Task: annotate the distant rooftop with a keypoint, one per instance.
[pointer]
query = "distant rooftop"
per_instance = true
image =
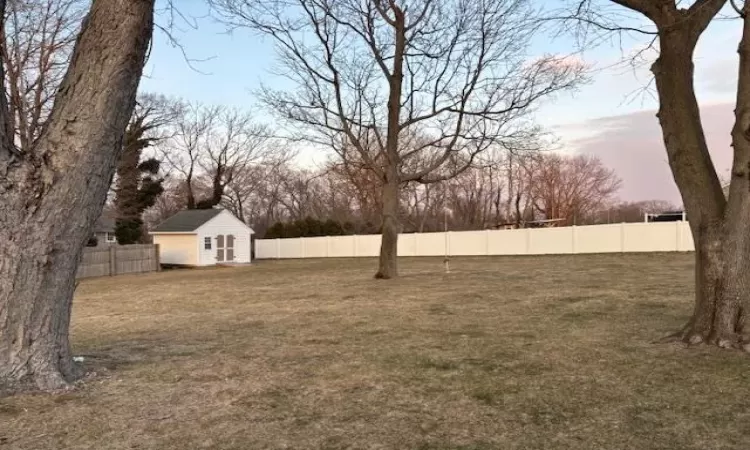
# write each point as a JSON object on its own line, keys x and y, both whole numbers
{"x": 105, "y": 223}
{"x": 186, "y": 221}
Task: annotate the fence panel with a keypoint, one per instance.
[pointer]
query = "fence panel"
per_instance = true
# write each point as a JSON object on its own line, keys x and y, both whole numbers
{"x": 430, "y": 244}
{"x": 615, "y": 238}
{"x": 316, "y": 247}
{"x": 94, "y": 263}
{"x": 118, "y": 259}
{"x": 407, "y": 244}
{"x": 598, "y": 238}
{"x": 467, "y": 243}
{"x": 508, "y": 242}
{"x": 650, "y": 237}
{"x": 368, "y": 245}
{"x": 266, "y": 248}
{"x": 341, "y": 246}
{"x": 551, "y": 241}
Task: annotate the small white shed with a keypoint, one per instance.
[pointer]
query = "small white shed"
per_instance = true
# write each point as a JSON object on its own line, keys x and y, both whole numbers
{"x": 203, "y": 237}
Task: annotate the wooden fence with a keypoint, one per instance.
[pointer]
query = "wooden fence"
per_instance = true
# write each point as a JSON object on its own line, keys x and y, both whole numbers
{"x": 118, "y": 259}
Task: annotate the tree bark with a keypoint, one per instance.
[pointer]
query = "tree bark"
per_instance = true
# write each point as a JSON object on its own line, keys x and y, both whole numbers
{"x": 51, "y": 196}
{"x": 730, "y": 329}
{"x": 388, "y": 266}
{"x": 720, "y": 229}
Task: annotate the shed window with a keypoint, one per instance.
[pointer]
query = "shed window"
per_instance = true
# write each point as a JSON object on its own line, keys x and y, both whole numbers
{"x": 207, "y": 243}
{"x": 110, "y": 237}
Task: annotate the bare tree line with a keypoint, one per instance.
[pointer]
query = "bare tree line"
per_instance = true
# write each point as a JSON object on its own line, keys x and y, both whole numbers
{"x": 514, "y": 191}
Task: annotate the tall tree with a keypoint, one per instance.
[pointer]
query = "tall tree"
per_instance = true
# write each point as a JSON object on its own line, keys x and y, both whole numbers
{"x": 720, "y": 226}
{"x": 405, "y": 81}
{"x": 137, "y": 181}
{"x": 233, "y": 143}
{"x": 52, "y": 192}
{"x": 215, "y": 143}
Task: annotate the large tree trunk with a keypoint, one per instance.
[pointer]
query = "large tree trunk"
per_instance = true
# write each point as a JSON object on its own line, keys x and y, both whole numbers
{"x": 51, "y": 196}
{"x": 731, "y": 311}
{"x": 721, "y": 230}
{"x": 388, "y": 267}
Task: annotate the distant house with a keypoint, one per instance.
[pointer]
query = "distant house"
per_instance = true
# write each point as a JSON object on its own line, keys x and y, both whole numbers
{"x": 203, "y": 237}
{"x": 104, "y": 230}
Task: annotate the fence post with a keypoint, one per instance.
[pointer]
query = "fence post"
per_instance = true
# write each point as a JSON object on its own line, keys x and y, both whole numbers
{"x": 354, "y": 246}
{"x": 622, "y": 237}
{"x": 678, "y": 235}
{"x": 487, "y": 241}
{"x": 328, "y": 246}
{"x": 278, "y": 248}
{"x": 157, "y": 257}
{"x": 573, "y": 238}
{"x": 448, "y": 243}
{"x": 302, "y": 246}
{"x": 112, "y": 260}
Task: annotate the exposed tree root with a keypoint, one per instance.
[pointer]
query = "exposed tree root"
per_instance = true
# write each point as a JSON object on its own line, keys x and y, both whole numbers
{"x": 42, "y": 379}
{"x": 691, "y": 338}
{"x": 684, "y": 335}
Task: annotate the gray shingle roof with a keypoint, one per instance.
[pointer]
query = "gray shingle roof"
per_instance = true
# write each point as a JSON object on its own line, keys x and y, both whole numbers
{"x": 186, "y": 221}
{"x": 105, "y": 223}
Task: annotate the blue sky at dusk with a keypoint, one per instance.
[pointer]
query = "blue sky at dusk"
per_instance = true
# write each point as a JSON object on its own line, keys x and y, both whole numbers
{"x": 606, "y": 117}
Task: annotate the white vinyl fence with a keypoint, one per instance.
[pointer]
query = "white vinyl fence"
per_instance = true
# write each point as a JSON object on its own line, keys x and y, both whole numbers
{"x": 615, "y": 238}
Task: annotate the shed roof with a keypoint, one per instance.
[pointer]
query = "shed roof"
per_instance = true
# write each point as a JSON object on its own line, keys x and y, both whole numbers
{"x": 187, "y": 221}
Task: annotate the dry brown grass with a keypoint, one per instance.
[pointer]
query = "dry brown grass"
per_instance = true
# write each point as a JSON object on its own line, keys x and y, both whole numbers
{"x": 503, "y": 353}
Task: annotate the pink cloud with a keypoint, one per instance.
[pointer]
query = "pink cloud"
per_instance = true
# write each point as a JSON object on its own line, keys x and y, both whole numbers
{"x": 632, "y": 145}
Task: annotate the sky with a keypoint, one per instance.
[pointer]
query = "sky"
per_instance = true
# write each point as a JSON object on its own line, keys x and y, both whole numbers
{"x": 612, "y": 116}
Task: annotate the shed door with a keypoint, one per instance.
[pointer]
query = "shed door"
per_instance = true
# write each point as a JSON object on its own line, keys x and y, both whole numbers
{"x": 230, "y": 247}
{"x": 220, "y": 248}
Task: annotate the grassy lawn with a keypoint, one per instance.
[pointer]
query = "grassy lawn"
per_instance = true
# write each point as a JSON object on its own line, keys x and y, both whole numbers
{"x": 502, "y": 353}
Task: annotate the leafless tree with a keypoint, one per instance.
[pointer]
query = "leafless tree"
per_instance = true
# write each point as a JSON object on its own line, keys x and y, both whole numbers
{"x": 53, "y": 190}
{"x": 515, "y": 190}
{"x": 399, "y": 81}
{"x": 254, "y": 185}
{"x": 221, "y": 154}
{"x": 634, "y": 211}
{"x": 37, "y": 45}
{"x": 233, "y": 142}
{"x": 185, "y": 149}
{"x": 720, "y": 225}
{"x": 572, "y": 188}
{"x": 169, "y": 203}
